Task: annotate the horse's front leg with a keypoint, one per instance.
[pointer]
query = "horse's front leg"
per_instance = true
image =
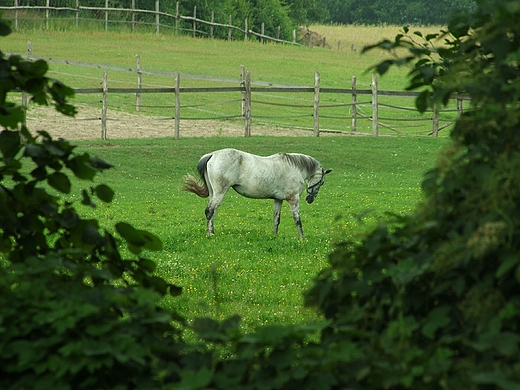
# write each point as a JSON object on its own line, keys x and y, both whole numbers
{"x": 277, "y": 210}
{"x": 295, "y": 209}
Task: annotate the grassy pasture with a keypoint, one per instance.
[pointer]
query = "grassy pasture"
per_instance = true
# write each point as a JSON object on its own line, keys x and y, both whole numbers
{"x": 268, "y": 63}
{"x": 244, "y": 268}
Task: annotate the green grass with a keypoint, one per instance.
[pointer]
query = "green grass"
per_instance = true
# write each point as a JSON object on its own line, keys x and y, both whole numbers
{"x": 269, "y": 63}
{"x": 258, "y": 275}
{"x": 244, "y": 268}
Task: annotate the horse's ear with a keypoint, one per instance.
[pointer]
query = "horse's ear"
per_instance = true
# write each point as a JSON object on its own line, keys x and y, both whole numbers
{"x": 328, "y": 171}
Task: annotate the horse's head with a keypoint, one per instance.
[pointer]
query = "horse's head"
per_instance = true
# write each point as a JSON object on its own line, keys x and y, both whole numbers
{"x": 314, "y": 183}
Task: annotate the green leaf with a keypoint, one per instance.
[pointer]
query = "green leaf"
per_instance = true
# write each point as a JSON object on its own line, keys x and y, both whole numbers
{"x": 174, "y": 290}
{"x": 495, "y": 378}
{"x": 148, "y": 265}
{"x": 207, "y": 328}
{"x": 10, "y": 144}
{"x": 517, "y": 274}
{"x": 383, "y": 67}
{"x": 85, "y": 199}
{"x": 152, "y": 242}
{"x": 91, "y": 236}
{"x": 35, "y": 151}
{"x": 81, "y": 167}
{"x": 12, "y": 116}
{"x": 99, "y": 164}
{"x": 138, "y": 238}
{"x": 437, "y": 318}
{"x": 39, "y": 67}
{"x": 422, "y": 101}
{"x": 60, "y": 182}
{"x": 194, "y": 379}
{"x": 130, "y": 234}
{"x": 104, "y": 192}
{"x": 231, "y": 323}
{"x": 5, "y": 29}
{"x": 506, "y": 265}
{"x": 157, "y": 283}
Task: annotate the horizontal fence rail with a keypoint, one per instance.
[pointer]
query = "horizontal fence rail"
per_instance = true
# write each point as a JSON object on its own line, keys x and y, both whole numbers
{"x": 172, "y": 21}
{"x": 251, "y": 95}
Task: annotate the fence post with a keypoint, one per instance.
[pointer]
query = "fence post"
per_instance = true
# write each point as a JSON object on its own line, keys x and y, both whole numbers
{"x": 278, "y": 32}
{"x": 77, "y": 13}
{"x": 435, "y": 119}
{"x": 132, "y": 23}
{"x": 104, "y": 107}
{"x": 375, "y": 130}
{"x": 353, "y": 129}
{"x": 316, "y": 104}
{"x": 139, "y": 82}
{"x": 106, "y": 15}
{"x": 247, "y": 104}
{"x": 16, "y": 15}
{"x": 460, "y": 109}
{"x": 245, "y": 29}
{"x": 176, "y": 18}
{"x": 211, "y": 25}
{"x": 157, "y": 17}
{"x": 24, "y": 94}
{"x": 262, "y": 29}
{"x": 47, "y": 5}
{"x": 194, "y": 20}
{"x": 229, "y": 29}
{"x": 294, "y": 36}
{"x": 177, "y": 105}
{"x": 243, "y": 94}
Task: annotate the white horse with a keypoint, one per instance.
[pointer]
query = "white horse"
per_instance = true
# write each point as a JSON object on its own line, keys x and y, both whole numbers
{"x": 280, "y": 177}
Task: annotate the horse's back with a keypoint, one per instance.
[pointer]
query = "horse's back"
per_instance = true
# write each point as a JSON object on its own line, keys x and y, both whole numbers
{"x": 254, "y": 176}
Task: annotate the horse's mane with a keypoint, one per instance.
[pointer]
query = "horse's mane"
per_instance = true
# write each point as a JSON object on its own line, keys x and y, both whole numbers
{"x": 302, "y": 161}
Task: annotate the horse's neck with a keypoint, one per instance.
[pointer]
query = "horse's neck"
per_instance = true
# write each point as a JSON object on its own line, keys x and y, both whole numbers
{"x": 306, "y": 165}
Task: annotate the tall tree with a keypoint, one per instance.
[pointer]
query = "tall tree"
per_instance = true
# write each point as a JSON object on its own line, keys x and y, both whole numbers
{"x": 393, "y": 12}
{"x": 303, "y": 12}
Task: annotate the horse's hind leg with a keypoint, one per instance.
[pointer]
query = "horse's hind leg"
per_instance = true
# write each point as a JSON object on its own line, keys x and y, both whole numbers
{"x": 211, "y": 209}
{"x": 295, "y": 209}
{"x": 277, "y": 210}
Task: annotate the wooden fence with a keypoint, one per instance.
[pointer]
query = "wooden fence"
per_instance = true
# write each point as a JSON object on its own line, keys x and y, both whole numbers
{"x": 172, "y": 21}
{"x": 245, "y": 88}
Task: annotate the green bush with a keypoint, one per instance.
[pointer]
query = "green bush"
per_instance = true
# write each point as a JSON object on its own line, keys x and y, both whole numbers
{"x": 433, "y": 300}
{"x": 74, "y": 313}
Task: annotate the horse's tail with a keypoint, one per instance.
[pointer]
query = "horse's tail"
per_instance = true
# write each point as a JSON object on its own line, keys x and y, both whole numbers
{"x": 198, "y": 187}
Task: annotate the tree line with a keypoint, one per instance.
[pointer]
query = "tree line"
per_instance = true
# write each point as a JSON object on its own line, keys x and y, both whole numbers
{"x": 289, "y": 14}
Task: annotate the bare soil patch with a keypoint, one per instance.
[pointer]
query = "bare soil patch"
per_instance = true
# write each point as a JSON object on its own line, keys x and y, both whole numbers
{"x": 87, "y": 126}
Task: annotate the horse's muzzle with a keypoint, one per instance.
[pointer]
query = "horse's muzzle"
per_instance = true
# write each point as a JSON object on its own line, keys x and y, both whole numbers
{"x": 310, "y": 198}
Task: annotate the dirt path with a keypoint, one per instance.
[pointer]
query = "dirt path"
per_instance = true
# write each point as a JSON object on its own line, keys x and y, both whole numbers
{"x": 87, "y": 125}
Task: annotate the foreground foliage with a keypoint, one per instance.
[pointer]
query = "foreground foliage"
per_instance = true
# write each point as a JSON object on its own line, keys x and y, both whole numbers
{"x": 74, "y": 313}
{"x": 434, "y": 302}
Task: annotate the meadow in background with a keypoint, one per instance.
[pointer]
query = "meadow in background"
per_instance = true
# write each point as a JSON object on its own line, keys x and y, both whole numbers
{"x": 214, "y": 63}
